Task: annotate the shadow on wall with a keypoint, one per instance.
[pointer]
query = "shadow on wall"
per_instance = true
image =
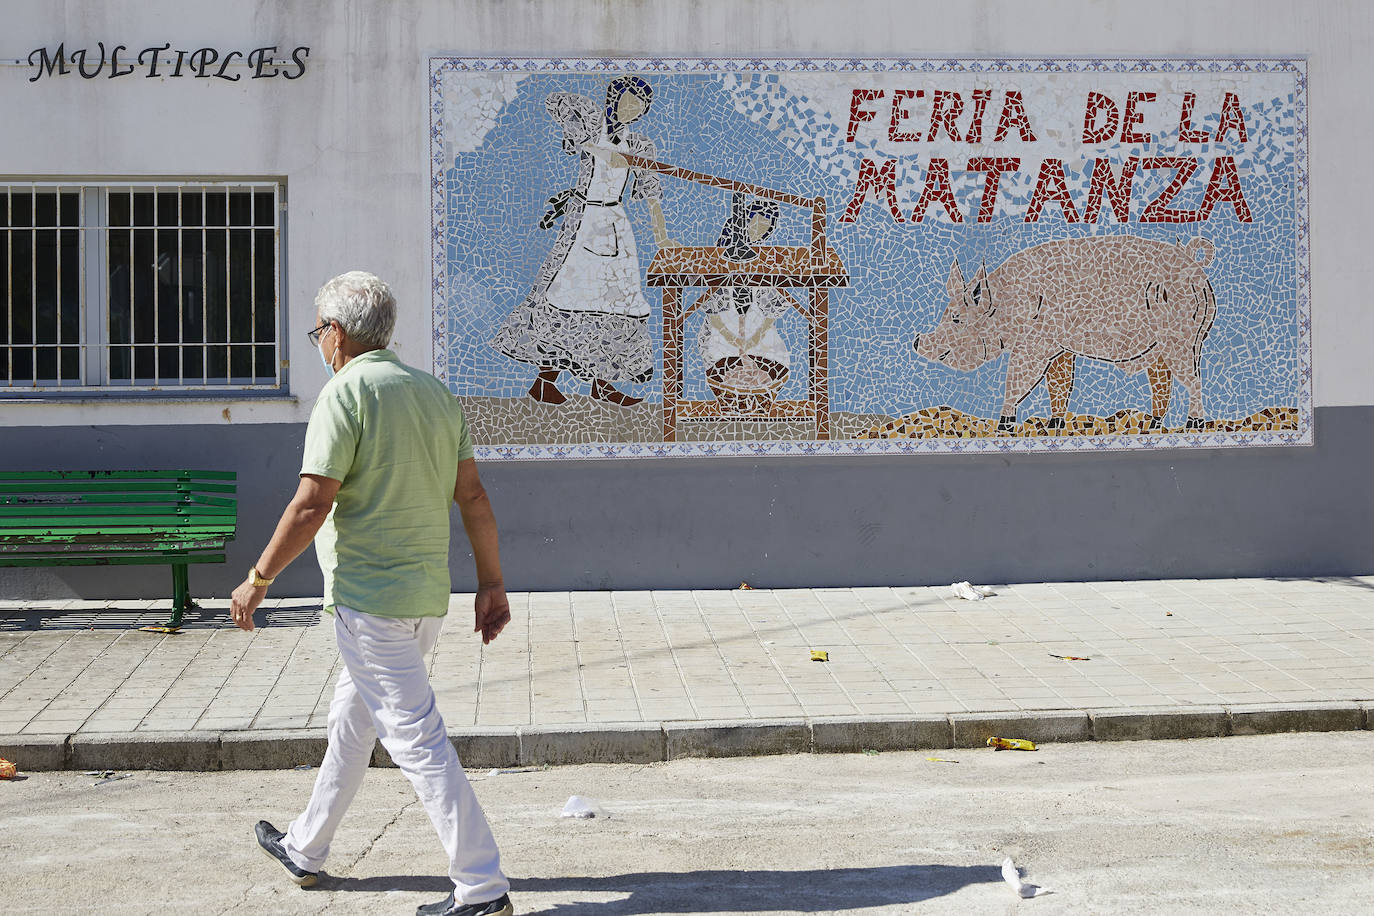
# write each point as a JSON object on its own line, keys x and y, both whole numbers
{"x": 24, "y": 584}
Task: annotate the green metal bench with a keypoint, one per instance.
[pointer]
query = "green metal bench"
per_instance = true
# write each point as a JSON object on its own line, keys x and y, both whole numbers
{"x": 119, "y": 518}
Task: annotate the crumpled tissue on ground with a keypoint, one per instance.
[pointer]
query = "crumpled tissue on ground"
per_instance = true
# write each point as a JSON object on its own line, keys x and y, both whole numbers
{"x": 971, "y": 592}
{"x": 1013, "y": 878}
{"x": 578, "y": 806}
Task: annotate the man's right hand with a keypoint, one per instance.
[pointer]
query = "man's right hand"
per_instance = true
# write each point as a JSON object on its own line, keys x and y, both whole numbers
{"x": 492, "y": 611}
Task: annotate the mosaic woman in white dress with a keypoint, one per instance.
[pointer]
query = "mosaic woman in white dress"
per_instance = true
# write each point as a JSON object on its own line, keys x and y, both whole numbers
{"x": 586, "y": 312}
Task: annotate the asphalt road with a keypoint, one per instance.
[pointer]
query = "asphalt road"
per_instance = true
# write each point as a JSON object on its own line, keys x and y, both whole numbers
{"x": 1273, "y": 824}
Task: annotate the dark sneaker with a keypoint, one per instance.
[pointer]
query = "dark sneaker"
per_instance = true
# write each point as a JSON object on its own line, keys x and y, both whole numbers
{"x": 269, "y": 838}
{"x": 450, "y": 907}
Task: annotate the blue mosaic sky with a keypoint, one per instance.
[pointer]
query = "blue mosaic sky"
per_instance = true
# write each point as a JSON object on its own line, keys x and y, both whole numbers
{"x": 496, "y": 194}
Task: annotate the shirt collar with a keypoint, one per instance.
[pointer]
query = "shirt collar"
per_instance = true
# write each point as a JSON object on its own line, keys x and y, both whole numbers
{"x": 371, "y": 356}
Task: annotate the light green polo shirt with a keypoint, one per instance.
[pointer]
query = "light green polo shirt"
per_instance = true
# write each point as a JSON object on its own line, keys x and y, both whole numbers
{"x": 393, "y": 437}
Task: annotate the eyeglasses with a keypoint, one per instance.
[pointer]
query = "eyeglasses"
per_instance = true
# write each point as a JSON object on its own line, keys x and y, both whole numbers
{"x": 315, "y": 334}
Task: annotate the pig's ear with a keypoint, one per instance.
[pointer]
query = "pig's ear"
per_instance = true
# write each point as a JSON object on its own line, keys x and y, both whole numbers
{"x": 955, "y": 287}
{"x": 978, "y": 290}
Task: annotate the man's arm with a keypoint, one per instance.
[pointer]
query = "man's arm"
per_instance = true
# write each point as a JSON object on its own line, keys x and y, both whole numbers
{"x": 491, "y": 607}
{"x": 297, "y": 528}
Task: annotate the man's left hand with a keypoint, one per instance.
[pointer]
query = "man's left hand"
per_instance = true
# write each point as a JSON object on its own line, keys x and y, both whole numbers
{"x": 244, "y": 602}
{"x": 492, "y": 611}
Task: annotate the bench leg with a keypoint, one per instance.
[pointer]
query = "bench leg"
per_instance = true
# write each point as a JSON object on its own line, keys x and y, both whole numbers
{"x": 181, "y": 600}
{"x": 181, "y": 593}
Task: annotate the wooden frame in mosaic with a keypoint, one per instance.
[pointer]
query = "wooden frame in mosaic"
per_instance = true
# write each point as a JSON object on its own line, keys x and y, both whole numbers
{"x": 698, "y": 257}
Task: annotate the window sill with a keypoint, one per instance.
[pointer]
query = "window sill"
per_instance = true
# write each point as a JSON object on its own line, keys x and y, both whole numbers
{"x": 150, "y": 397}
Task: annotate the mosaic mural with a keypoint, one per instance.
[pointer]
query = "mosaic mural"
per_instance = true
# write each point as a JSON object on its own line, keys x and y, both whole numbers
{"x": 759, "y": 257}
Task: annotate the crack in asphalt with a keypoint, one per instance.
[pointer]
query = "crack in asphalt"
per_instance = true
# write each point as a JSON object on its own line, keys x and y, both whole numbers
{"x": 240, "y": 902}
{"x": 381, "y": 833}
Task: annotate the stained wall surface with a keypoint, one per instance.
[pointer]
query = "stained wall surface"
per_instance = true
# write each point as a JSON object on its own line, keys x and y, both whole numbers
{"x": 352, "y": 141}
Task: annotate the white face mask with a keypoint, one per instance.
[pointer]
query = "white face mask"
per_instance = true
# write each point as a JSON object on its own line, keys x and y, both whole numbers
{"x": 327, "y": 364}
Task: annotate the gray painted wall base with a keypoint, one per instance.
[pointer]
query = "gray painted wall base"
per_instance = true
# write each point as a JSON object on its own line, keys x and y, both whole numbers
{"x": 802, "y": 522}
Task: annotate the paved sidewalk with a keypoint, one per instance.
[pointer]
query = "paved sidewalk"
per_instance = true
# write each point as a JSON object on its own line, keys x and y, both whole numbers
{"x": 587, "y": 676}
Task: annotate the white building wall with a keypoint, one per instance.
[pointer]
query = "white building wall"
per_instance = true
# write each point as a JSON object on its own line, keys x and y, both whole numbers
{"x": 351, "y": 136}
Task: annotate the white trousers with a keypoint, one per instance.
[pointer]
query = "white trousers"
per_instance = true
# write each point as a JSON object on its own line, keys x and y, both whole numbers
{"x": 384, "y": 690}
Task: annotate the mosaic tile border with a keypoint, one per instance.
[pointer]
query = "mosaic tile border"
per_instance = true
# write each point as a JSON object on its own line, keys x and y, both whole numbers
{"x": 1295, "y": 64}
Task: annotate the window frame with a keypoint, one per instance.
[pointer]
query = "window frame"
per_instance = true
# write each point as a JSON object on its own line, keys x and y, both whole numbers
{"x": 95, "y": 343}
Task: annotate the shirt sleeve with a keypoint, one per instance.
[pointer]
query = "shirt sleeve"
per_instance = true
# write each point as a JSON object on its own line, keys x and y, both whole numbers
{"x": 331, "y": 438}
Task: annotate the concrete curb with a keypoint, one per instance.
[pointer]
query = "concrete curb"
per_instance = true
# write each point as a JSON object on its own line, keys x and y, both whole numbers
{"x": 973, "y": 729}
{"x": 650, "y": 742}
{"x": 36, "y": 753}
{"x": 1158, "y": 724}
{"x": 146, "y": 751}
{"x": 611, "y": 743}
{"x": 277, "y": 749}
{"x": 737, "y": 738}
{"x": 845, "y": 735}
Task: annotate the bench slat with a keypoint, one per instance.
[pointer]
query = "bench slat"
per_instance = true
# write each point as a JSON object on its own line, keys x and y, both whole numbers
{"x": 88, "y": 543}
{"x": 165, "y": 517}
{"x": 159, "y": 559}
{"x": 77, "y": 510}
{"x": 136, "y": 486}
{"x": 161, "y": 546}
{"x": 111, "y": 527}
{"x": 89, "y": 499}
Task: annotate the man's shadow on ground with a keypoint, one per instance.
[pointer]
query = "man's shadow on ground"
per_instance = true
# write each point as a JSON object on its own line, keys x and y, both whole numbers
{"x": 819, "y": 890}
{"x": 293, "y": 614}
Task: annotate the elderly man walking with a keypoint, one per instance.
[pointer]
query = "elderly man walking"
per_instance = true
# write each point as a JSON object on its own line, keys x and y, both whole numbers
{"x": 387, "y": 452}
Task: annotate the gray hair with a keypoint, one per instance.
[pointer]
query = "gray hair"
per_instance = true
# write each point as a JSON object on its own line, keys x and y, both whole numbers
{"x": 362, "y": 305}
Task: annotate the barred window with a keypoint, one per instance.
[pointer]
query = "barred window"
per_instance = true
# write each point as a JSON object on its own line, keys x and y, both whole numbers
{"x": 140, "y": 286}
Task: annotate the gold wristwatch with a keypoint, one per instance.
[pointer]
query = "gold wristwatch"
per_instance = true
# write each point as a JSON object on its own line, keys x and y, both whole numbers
{"x": 257, "y": 580}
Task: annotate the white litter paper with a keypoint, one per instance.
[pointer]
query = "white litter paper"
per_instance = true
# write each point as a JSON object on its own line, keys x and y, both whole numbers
{"x": 578, "y": 806}
{"x": 971, "y": 592}
{"x": 1013, "y": 878}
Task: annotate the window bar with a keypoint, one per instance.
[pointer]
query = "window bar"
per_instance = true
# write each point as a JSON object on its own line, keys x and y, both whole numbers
{"x": 276, "y": 286}
{"x": 80, "y": 293}
{"x": 61, "y": 240}
{"x": 33, "y": 285}
{"x": 157, "y": 313}
{"x": 57, "y": 243}
{"x": 181, "y": 325}
{"x": 253, "y": 287}
{"x": 95, "y": 297}
{"x": 204, "y": 297}
{"x": 228, "y": 299}
{"x": 9, "y": 284}
{"x": 133, "y": 346}
{"x": 83, "y": 342}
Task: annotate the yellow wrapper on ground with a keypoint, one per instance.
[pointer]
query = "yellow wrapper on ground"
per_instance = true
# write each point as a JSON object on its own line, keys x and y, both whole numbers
{"x": 1011, "y": 744}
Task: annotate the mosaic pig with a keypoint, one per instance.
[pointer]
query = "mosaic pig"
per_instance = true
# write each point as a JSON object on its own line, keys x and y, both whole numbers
{"x": 1130, "y": 301}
